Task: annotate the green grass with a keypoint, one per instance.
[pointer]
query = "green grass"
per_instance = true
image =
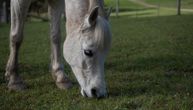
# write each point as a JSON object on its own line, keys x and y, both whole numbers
{"x": 164, "y": 3}
{"x": 136, "y": 9}
{"x": 123, "y": 4}
{"x": 150, "y": 67}
{"x": 171, "y": 3}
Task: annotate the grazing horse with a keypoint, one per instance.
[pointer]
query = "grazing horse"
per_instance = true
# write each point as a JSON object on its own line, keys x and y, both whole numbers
{"x": 85, "y": 48}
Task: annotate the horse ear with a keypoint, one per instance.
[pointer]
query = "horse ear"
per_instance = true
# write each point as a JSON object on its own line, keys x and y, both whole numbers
{"x": 109, "y": 13}
{"x": 93, "y": 16}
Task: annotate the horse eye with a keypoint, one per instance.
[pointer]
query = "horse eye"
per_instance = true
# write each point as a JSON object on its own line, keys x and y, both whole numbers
{"x": 88, "y": 53}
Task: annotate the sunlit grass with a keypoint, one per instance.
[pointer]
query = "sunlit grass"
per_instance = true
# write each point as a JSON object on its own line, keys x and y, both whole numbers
{"x": 171, "y": 3}
{"x": 160, "y": 8}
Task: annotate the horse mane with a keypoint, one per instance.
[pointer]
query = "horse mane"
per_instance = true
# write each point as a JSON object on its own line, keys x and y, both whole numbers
{"x": 102, "y": 34}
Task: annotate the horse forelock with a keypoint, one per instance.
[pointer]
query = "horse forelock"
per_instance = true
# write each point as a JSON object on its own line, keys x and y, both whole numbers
{"x": 102, "y": 34}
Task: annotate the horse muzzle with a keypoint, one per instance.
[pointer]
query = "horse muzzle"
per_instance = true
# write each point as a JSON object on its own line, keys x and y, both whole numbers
{"x": 94, "y": 93}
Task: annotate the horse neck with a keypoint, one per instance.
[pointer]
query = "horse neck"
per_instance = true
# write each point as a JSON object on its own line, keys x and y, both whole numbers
{"x": 75, "y": 13}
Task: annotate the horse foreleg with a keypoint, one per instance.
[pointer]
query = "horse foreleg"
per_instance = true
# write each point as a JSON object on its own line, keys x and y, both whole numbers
{"x": 18, "y": 13}
{"x": 56, "y": 8}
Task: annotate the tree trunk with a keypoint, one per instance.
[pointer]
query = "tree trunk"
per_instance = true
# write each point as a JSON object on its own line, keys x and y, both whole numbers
{"x": 117, "y": 8}
{"x": 3, "y": 13}
{"x": 1, "y": 10}
{"x": 178, "y": 7}
{"x": 7, "y": 11}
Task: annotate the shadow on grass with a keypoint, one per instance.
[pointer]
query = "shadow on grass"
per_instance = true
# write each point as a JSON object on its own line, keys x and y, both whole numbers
{"x": 150, "y": 76}
{"x": 151, "y": 83}
{"x": 28, "y": 71}
{"x": 37, "y": 72}
{"x": 165, "y": 68}
{"x": 178, "y": 64}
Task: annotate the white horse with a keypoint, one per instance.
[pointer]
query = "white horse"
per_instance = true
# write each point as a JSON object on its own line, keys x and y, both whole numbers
{"x": 85, "y": 48}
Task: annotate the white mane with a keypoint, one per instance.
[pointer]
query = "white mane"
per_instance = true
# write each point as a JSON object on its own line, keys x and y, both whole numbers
{"x": 102, "y": 34}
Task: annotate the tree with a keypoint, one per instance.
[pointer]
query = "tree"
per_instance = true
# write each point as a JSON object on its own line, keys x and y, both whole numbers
{"x": 117, "y": 8}
{"x": 5, "y": 10}
{"x": 178, "y": 7}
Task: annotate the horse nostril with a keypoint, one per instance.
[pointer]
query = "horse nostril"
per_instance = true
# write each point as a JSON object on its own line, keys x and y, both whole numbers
{"x": 94, "y": 92}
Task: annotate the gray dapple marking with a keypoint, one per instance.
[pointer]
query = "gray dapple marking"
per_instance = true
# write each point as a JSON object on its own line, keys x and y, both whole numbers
{"x": 85, "y": 48}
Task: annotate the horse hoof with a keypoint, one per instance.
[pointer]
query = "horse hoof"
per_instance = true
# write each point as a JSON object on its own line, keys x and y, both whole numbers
{"x": 17, "y": 86}
{"x": 16, "y": 83}
{"x": 65, "y": 84}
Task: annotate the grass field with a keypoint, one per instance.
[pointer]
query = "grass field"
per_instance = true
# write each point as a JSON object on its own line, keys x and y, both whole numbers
{"x": 145, "y": 8}
{"x": 150, "y": 67}
{"x": 164, "y": 3}
{"x": 171, "y": 3}
{"x": 125, "y": 5}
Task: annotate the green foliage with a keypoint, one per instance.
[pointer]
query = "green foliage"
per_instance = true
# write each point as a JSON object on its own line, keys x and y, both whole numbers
{"x": 149, "y": 67}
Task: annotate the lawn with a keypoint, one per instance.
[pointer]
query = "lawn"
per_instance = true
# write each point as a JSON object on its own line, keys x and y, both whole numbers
{"x": 171, "y": 3}
{"x": 164, "y": 3}
{"x": 150, "y": 67}
{"x": 125, "y": 5}
{"x": 144, "y": 8}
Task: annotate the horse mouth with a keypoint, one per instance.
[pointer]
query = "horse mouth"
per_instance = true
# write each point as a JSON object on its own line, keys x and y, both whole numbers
{"x": 94, "y": 94}
{"x": 83, "y": 93}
